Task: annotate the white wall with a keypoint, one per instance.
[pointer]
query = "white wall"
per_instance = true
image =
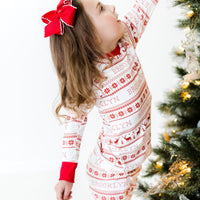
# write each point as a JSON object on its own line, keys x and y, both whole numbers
{"x": 30, "y": 135}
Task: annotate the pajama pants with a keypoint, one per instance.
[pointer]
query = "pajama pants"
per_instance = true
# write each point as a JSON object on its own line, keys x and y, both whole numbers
{"x": 108, "y": 182}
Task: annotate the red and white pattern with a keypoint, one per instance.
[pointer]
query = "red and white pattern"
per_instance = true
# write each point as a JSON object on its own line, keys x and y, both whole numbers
{"x": 124, "y": 104}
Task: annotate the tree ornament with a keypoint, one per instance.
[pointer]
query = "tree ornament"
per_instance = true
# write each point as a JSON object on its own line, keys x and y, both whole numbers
{"x": 191, "y": 77}
{"x": 175, "y": 178}
{"x": 159, "y": 165}
{"x": 191, "y": 64}
{"x": 166, "y": 136}
{"x": 183, "y": 197}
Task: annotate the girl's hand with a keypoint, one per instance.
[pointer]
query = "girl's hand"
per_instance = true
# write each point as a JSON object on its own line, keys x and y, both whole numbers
{"x": 63, "y": 190}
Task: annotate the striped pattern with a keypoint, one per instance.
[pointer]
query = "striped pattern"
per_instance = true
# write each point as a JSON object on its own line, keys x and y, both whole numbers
{"x": 124, "y": 104}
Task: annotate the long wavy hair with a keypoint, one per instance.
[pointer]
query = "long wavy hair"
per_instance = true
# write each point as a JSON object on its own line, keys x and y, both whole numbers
{"x": 74, "y": 56}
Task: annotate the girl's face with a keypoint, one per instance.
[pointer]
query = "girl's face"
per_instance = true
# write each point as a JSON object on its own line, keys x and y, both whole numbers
{"x": 106, "y": 22}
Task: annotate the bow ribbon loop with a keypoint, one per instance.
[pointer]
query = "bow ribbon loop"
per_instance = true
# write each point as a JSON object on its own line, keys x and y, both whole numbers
{"x": 55, "y": 19}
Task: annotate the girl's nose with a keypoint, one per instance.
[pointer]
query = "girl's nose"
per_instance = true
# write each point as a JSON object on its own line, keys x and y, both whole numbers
{"x": 112, "y": 8}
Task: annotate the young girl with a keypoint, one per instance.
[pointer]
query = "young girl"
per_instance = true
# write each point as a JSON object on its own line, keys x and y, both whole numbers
{"x": 95, "y": 58}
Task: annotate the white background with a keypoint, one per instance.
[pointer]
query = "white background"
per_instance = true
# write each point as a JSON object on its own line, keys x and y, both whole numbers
{"x": 30, "y": 135}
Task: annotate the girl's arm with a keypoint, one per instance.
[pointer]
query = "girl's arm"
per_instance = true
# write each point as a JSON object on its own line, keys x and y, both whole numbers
{"x": 138, "y": 17}
{"x": 73, "y": 132}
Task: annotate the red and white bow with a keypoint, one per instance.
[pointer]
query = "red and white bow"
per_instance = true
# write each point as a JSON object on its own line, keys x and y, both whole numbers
{"x": 55, "y": 19}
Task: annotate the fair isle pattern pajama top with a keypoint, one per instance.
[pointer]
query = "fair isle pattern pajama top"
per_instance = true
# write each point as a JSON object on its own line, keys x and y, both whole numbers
{"x": 124, "y": 104}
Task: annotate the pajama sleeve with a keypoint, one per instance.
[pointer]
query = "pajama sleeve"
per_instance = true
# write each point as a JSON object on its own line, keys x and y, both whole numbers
{"x": 138, "y": 17}
{"x": 71, "y": 142}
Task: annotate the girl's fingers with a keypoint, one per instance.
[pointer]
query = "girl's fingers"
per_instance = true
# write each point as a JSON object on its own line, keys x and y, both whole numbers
{"x": 70, "y": 195}
{"x": 59, "y": 195}
{"x": 67, "y": 195}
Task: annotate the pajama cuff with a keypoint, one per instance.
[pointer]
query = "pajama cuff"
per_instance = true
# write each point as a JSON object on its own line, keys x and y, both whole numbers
{"x": 67, "y": 171}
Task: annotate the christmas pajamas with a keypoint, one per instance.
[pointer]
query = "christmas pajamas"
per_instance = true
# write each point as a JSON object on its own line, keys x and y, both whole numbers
{"x": 124, "y": 104}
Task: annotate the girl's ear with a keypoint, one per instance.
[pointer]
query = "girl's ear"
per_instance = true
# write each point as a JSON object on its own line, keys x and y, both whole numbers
{"x": 99, "y": 40}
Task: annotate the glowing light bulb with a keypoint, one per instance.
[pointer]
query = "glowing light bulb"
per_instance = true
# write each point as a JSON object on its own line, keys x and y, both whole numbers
{"x": 188, "y": 169}
{"x": 173, "y": 131}
{"x": 159, "y": 163}
{"x": 190, "y": 13}
{"x": 180, "y": 50}
{"x": 185, "y": 84}
{"x": 197, "y": 82}
{"x": 187, "y": 28}
{"x": 173, "y": 90}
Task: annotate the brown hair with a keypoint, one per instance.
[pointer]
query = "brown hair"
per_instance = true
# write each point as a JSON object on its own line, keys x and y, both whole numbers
{"x": 74, "y": 56}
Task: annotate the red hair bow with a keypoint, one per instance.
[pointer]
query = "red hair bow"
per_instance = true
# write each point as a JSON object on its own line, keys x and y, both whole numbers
{"x": 55, "y": 19}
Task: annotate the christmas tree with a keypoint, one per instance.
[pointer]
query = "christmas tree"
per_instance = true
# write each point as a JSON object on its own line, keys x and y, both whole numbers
{"x": 177, "y": 158}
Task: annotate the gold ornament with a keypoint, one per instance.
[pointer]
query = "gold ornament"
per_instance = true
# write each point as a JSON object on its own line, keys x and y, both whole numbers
{"x": 175, "y": 178}
{"x": 166, "y": 136}
{"x": 159, "y": 165}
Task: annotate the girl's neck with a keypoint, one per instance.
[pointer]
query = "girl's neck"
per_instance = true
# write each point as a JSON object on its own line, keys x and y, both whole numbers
{"x": 114, "y": 52}
{"x": 108, "y": 47}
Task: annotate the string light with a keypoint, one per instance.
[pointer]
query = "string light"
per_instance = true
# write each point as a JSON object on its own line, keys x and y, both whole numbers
{"x": 187, "y": 28}
{"x": 180, "y": 50}
{"x": 197, "y": 82}
{"x": 188, "y": 169}
{"x": 181, "y": 183}
{"x": 190, "y": 13}
{"x": 173, "y": 90}
{"x": 183, "y": 166}
{"x": 173, "y": 131}
{"x": 185, "y": 84}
